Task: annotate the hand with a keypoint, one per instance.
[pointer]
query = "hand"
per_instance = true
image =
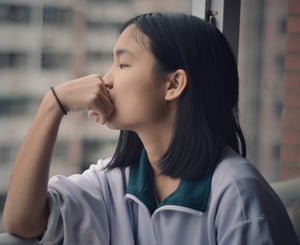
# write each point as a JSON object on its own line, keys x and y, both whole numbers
{"x": 88, "y": 93}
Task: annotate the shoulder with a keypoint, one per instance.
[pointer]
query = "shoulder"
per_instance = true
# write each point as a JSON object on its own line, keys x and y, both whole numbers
{"x": 244, "y": 206}
{"x": 238, "y": 186}
{"x": 234, "y": 170}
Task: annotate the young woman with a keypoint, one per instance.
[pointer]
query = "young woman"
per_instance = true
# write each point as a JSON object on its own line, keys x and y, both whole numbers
{"x": 178, "y": 175}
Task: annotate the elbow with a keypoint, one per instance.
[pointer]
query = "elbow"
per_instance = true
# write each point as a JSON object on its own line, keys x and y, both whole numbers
{"x": 24, "y": 228}
{"x": 20, "y": 230}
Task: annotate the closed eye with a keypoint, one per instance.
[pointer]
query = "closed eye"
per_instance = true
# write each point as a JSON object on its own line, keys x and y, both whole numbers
{"x": 122, "y": 66}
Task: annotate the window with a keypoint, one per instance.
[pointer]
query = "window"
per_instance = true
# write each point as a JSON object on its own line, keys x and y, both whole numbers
{"x": 90, "y": 149}
{"x": 5, "y": 154}
{"x": 13, "y": 59}
{"x": 103, "y": 25}
{"x": 98, "y": 56}
{"x": 11, "y": 106}
{"x": 15, "y": 13}
{"x": 57, "y": 16}
{"x": 61, "y": 149}
{"x": 110, "y": 1}
{"x": 55, "y": 60}
{"x": 279, "y": 64}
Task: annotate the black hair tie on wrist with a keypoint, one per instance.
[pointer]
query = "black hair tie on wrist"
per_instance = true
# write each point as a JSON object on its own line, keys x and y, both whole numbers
{"x": 58, "y": 101}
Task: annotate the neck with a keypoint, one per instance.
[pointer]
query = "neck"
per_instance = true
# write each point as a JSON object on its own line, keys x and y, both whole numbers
{"x": 156, "y": 140}
{"x": 156, "y": 144}
{"x": 164, "y": 186}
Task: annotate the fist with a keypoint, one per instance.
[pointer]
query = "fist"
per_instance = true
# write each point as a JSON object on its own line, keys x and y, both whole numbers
{"x": 89, "y": 93}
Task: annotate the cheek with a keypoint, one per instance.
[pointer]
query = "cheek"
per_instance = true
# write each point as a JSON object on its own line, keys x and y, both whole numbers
{"x": 137, "y": 91}
{"x": 145, "y": 106}
{"x": 134, "y": 86}
{"x": 141, "y": 103}
{"x": 136, "y": 101}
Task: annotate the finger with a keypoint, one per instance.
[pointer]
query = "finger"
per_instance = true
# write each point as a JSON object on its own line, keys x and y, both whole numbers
{"x": 103, "y": 104}
{"x": 92, "y": 113}
{"x": 98, "y": 117}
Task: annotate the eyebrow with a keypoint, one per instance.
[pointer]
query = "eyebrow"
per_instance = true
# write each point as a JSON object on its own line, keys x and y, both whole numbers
{"x": 120, "y": 52}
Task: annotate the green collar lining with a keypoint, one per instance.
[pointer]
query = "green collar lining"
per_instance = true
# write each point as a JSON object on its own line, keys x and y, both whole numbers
{"x": 192, "y": 194}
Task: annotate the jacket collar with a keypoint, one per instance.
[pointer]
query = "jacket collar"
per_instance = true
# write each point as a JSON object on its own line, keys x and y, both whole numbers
{"x": 192, "y": 194}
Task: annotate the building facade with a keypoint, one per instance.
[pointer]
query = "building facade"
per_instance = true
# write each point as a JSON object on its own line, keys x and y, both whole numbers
{"x": 44, "y": 43}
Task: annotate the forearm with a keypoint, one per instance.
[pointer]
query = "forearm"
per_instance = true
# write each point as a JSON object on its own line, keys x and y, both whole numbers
{"x": 26, "y": 211}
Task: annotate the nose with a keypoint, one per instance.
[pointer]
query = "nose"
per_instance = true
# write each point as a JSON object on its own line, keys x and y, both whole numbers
{"x": 108, "y": 81}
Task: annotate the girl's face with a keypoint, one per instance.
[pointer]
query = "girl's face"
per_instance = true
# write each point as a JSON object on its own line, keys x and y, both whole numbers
{"x": 136, "y": 90}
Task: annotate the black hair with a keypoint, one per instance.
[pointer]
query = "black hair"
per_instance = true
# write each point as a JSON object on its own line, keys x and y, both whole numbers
{"x": 207, "y": 116}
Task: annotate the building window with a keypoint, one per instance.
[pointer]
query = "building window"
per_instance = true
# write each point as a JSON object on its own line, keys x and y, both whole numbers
{"x": 15, "y": 13}
{"x": 98, "y": 56}
{"x": 103, "y": 25}
{"x": 279, "y": 65}
{"x": 5, "y": 154}
{"x": 277, "y": 104}
{"x": 90, "y": 149}
{"x": 57, "y": 16}
{"x": 282, "y": 25}
{"x": 13, "y": 59}
{"x": 61, "y": 149}
{"x": 110, "y": 1}
{"x": 14, "y": 105}
{"x": 55, "y": 60}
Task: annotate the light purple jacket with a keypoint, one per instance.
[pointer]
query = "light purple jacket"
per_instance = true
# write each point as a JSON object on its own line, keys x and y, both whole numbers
{"x": 234, "y": 206}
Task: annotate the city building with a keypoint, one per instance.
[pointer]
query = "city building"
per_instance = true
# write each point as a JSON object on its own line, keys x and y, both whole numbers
{"x": 262, "y": 48}
{"x": 44, "y": 43}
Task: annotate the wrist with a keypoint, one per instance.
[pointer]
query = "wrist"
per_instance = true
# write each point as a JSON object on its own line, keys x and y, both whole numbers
{"x": 49, "y": 105}
{"x": 59, "y": 103}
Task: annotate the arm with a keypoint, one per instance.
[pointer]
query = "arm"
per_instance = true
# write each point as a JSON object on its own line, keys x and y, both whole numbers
{"x": 26, "y": 211}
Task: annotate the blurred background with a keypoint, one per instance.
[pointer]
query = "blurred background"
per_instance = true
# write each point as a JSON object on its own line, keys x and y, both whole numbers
{"x": 44, "y": 43}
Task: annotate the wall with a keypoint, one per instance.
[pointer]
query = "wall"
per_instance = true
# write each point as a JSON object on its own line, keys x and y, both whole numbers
{"x": 290, "y": 135}
{"x": 262, "y": 48}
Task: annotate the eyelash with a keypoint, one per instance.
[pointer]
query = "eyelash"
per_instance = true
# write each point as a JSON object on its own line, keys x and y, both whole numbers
{"x": 122, "y": 66}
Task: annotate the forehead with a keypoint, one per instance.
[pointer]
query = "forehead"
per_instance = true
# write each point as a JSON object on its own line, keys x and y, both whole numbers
{"x": 132, "y": 39}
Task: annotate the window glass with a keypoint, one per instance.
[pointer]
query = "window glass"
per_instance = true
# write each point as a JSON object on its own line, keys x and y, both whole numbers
{"x": 57, "y": 16}
{"x": 14, "y": 13}
{"x": 50, "y": 60}
{"x": 13, "y": 59}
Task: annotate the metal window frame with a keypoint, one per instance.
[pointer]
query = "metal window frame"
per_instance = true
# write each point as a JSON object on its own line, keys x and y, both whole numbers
{"x": 224, "y": 14}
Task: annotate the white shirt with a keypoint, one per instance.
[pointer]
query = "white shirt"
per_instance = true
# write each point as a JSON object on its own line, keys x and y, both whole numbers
{"x": 233, "y": 206}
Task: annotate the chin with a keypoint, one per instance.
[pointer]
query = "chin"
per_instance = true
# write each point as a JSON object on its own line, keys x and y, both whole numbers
{"x": 117, "y": 122}
{"x": 112, "y": 126}
{"x": 116, "y": 125}
{"x": 112, "y": 123}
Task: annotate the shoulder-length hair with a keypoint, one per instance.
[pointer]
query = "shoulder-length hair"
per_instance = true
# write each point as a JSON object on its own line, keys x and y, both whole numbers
{"x": 207, "y": 116}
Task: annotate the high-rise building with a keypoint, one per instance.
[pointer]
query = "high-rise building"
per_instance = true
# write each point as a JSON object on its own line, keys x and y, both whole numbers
{"x": 44, "y": 43}
{"x": 262, "y": 49}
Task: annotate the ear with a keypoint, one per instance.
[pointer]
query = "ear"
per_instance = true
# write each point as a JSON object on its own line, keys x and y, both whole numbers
{"x": 176, "y": 84}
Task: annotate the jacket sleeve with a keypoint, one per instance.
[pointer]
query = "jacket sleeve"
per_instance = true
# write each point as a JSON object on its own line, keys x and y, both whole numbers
{"x": 253, "y": 231}
{"x": 77, "y": 210}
